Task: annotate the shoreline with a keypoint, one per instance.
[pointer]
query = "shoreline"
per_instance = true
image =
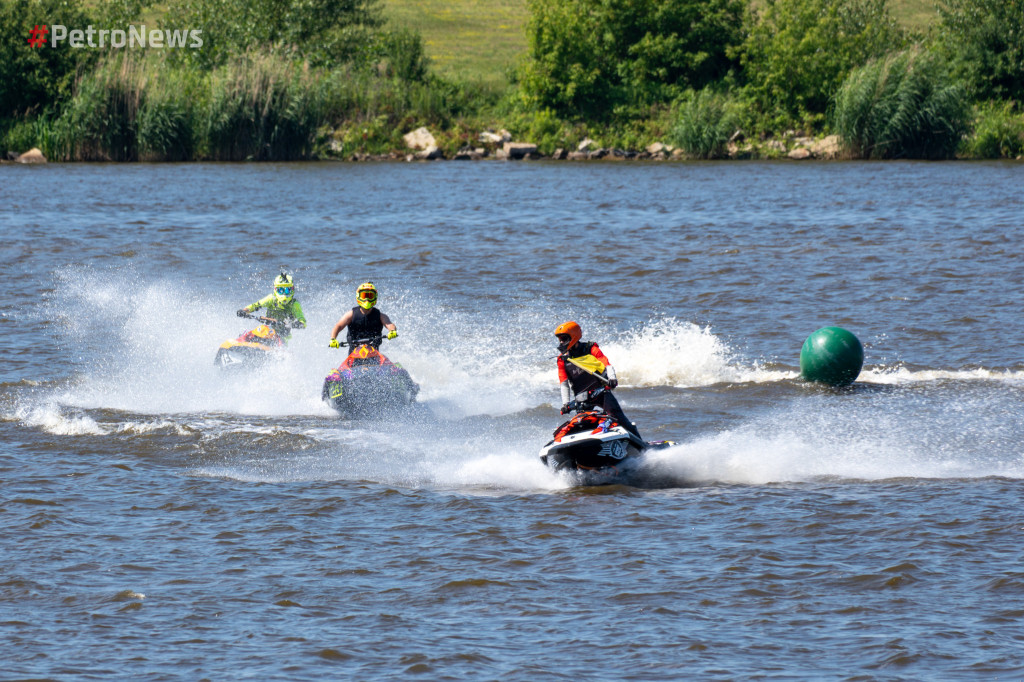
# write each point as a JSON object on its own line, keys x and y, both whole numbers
{"x": 798, "y": 149}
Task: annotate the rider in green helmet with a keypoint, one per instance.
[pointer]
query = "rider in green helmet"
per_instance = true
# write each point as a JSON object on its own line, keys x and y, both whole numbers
{"x": 281, "y": 304}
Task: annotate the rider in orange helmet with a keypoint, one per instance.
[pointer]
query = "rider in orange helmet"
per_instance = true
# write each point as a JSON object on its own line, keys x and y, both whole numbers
{"x": 583, "y": 369}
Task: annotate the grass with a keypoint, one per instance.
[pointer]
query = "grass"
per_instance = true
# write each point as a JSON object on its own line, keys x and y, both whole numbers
{"x": 472, "y": 40}
{"x": 915, "y": 14}
{"x": 479, "y": 40}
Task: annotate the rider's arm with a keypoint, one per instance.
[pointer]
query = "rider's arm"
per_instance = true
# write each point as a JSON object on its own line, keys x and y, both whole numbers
{"x": 597, "y": 353}
{"x": 341, "y": 324}
{"x": 262, "y": 303}
{"x": 297, "y": 313}
{"x": 609, "y": 371}
{"x": 388, "y": 324}
{"x": 563, "y": 378}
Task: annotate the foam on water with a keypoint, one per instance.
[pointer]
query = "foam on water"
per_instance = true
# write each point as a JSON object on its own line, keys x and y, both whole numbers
{"x": 671, "y": 352}
{"x": 878, "y": 438}
{"x": 50, "y": 418}
{"x": 902, "y": 375}
{"x": 146, "y": 348}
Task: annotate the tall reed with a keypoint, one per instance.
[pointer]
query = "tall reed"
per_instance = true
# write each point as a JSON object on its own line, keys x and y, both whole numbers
{"x": 903, "y": 106}
{"x": 263, "y": 108}
{"x": 705, "y": 122}
{"x": 256, "y": 107}
{"x": 100, "y": 122}
{"x": 168, "y": 122}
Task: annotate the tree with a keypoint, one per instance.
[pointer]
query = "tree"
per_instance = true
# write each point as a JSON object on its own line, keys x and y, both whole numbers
{"x": 33, "y": 78}
{"x": 599, "y": 58}
{"x": 984, "y": 39}
{"x": 798, "y": 52}
{"x": 324, "y": 32}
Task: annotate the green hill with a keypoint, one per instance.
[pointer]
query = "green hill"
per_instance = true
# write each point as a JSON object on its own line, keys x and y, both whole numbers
{"x": 479, "y": 40}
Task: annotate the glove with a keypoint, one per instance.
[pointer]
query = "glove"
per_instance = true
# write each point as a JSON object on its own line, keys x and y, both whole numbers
{"x": 334, "y": 344}
{"x": 566, "y": 409}
{"x": 613, "y": 383}
{"x": 242, "y": 312}
{"x": 392, "y": 334}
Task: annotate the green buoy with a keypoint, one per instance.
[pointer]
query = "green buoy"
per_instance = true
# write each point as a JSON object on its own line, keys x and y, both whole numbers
{"x": 832, "y": 356}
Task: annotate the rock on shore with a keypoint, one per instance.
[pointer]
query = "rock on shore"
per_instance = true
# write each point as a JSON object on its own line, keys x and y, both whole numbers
{"x": 31, "y": 156}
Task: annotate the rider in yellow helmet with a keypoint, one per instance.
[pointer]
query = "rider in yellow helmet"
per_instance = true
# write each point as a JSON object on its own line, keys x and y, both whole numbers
{"x": 582, "y": 370}
{"x": 364, "y": 321}
{"x": 281, "y": 303}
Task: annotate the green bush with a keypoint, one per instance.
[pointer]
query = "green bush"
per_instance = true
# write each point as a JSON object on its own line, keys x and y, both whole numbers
{"x": 985, "y": 41}
{"x": 33, "y": 79}
{"x": 18, "y": 136}
{"x": 998, "y": 132}
{"x": 603, "y": 59}
{"x": 904, "y": 106}
{"x": 798, "y": 52}
{"x": 322, "y": 32}
{"x": 706, "y": 121}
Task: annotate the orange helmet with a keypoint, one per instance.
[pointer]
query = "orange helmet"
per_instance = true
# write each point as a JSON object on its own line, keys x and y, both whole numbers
{"x": 568, "y": 334}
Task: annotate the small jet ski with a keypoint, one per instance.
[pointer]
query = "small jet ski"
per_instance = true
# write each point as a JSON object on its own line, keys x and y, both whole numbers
{"x": 595, "y": 445}
{"x": 254, "y": 347}
{"x": 367, "y": 384}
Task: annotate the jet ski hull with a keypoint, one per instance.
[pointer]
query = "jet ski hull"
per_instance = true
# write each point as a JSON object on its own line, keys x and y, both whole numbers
{"x": 238, "y": 357}
{"x": 366, "y": 394}
{"x": 250, "y": 350}
{"x": 586, "y": 451}
{"x": 596, "y": 449}
{"x": 368, "y": 385}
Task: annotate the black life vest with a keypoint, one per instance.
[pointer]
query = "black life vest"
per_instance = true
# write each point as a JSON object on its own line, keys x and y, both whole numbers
{"x": 366, "y": 326}
{"x": 580, "y": 380}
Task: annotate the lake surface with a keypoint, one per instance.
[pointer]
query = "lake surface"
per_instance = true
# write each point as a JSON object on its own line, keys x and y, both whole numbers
{"x": 163, "y": 521}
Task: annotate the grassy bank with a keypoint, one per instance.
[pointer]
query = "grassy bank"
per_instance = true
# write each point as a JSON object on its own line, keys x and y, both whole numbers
{"x": 472, "y": 40}
{"x": 735, "y": 85}
{"x": 480, "y": 40}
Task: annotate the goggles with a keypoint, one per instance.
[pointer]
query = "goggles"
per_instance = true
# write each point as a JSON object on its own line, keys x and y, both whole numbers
{"x": 367, "y": 295}
{"x": 284, "y": 291}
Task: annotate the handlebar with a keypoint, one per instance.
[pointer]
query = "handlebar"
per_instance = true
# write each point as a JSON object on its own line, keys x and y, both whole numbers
{"x": 276, "y": 325}
{"x": 588, "y": 402}
{"x": 359, "y": 342}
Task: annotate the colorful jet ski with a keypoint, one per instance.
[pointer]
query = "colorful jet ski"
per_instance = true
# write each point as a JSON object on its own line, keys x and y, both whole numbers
{"x": 367, "y": 383}
{"x": 254, "y": 347}
{"x": 595, "y": 446}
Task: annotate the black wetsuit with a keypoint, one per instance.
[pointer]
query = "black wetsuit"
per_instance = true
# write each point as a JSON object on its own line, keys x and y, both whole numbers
{"x": 581, "y": 381}
{"x": 368, "y": 326}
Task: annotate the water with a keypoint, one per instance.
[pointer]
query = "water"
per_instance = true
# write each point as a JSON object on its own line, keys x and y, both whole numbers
{"x": 162, "y": 521}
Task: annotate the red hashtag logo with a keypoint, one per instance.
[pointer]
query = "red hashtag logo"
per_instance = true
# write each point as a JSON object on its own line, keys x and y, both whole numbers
{"x": 37, "y": 36}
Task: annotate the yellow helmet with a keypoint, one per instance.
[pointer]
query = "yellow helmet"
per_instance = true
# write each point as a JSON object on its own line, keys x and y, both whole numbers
{"x": 284, "y": 288}
{"x": 366, "y": 295}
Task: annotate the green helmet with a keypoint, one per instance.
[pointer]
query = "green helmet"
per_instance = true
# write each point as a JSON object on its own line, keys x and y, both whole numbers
{"x": 284, "y": 288}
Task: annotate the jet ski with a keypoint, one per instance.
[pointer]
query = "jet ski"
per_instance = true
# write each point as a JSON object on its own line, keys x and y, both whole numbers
{"x": 595, "y": 446}
{"x": 367, "y": 383}
{"x": 253, "y": 348}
